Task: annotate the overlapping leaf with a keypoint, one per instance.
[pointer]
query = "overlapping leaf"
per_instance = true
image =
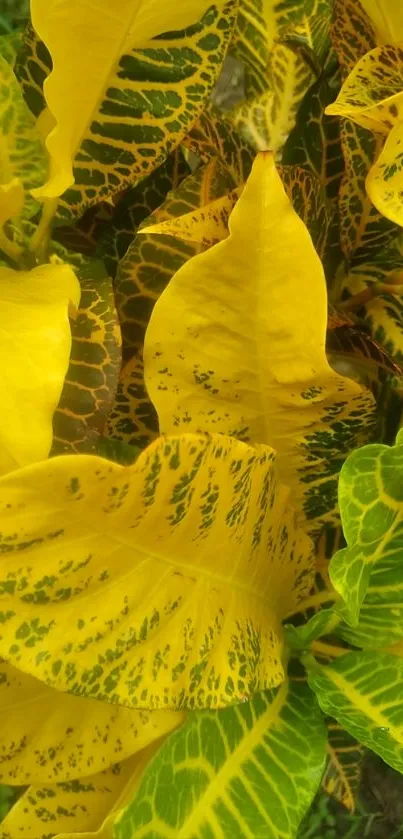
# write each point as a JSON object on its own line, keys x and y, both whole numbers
{"x": 33, "y": 65}
{"x": 250, "y": 770}
{"x": 34, "y": 356}
{"x": 133, "y": 418}
{"x": 363, "y": 691}
{"x": 371, "y": 506}
{"x": 52, "y": 737}
{"x": 387, "y": 18}
{"x": 241, "y": 358}
{"x": 343, "y": 772}
{"x": 124, "y": 127}
{"x": 214, "y": 136}
{"x": 82, "y": 538}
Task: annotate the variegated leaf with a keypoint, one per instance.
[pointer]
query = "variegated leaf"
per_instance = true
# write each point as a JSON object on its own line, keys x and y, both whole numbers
{"x": 123, "y": 127}
{"x": 112, "y": 573}
{"x": 215, "y": 136}
{"x": 343, "y": 772}
{"x": 206, "y": 225}
{"x": 385, "y": 179}
{"x": 133, "y": 418}
{"x": 250, "y": 770}
{"x": 33, "y": 65}
{"x": 10, "y": 45}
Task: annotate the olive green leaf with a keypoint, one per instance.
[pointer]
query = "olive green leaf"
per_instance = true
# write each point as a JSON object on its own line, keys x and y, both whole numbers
{"x": 22, "y": 156}
{"x": 53, "y": 737}
{"x": 83, "y": 537}
{"x": 343, "y": 772}
{"x": 92, "y": 378}
{"x": 214, "y": 136}
{"x": 241, "y": 359}
{"x": 123, "y": 127}
{"x": 371, "y": 508}
{"x": 133, "y": 419}
{"x": 307, "y": 196}
{"x": 250, "y": 770}
{"x": 9, "y": 46}
{"x": 363, "y": 692}
{"x": 33, "y": 65}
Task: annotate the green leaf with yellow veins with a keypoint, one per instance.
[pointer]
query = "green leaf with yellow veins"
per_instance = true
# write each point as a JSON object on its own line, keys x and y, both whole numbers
{"x": 151, "y": 260}
{"x": 53, "y": 737}
{"x": 343, "y": 772}
{"x": 371, "y": 508}
{"x": 84, "y": 808}
{"x": 247, "y": 366}
{"x": 214, "y": 136}
{"x": 363, "y": 692}
{"x": 250, "y": 770}
{"x": 33, "y": 66}
{"x": 123, "y": 127}
{"x": 34, "y": 357}
{"x": 92, "y": 377}
{"x": 22, "y": 158}
{"x": 9, "y": 46}
{"x": 207, "y": 630}
{"x": 133, "y": 419}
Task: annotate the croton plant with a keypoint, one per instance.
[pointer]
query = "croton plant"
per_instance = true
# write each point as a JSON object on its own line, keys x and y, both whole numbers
{"x": 201, "y": 490}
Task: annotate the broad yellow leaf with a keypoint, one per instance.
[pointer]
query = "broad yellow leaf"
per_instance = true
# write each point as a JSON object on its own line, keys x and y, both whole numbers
{"x": 34, "y": 356}
{"x": 236, "y": 344}
{"x": 387, "y": 18}
{"x": 53, "y": 737}
{"x": 112, "y": 124}
{"x": 385, "y": 180}
{"x": 161, "y": 584}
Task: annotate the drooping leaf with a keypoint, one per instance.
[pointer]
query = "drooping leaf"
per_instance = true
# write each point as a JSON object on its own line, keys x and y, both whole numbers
{"x": 53, "y": 737}
{"x": 34, "y": 357}
{"x": 206, "y": 631}
{"x": 250, "y": 770}
{"x": 371, "y": 508}
{"x": 92, "y": 378}
{"x": 363, "y": 692}
{"x": 33, "y": 65}
{"x": 242, "y": 358}
{"x": 343, "y": 772}
{"x": 84, "y": 808}
{"x": 387, "y": 17}
{"x": 123, "y": 127}
{"x": 22, "y": 156}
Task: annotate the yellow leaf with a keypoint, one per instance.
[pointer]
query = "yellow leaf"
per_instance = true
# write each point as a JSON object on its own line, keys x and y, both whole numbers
{"x": 236, "y": 344}
{"x": 102, "y": 102}
{"x": 157, "y": 585}
{"x": 11, "y": 200}
{"x": 384, "y": 181}
{"x": 34, "y": 356}
{"x": 55, "y": 737}
{"x": 206, "y": 225}
{"x": 387, "y": 17}
{"x": 372, "y": 94}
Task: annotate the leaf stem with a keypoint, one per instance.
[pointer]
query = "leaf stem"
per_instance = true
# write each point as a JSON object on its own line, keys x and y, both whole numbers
{"x": 40, "y": 239}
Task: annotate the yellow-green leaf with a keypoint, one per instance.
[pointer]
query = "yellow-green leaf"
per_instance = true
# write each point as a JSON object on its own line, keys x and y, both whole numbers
{"x": 246, "y": 356}
{"x": 387, "y": 17}
{"x": 33, "y": 65}
{"x": 12, "y": 196}
{"x": 82, "y": 539}
{"x": 247, "y": 771}
{"x": 122, "y": 127}
{"x": 53, "y": 737}
{"x": 363, "y": 692}
{"x": 343, "y": 772}
{"x": 22, "y": 156}
{"x": 34, "y": 357}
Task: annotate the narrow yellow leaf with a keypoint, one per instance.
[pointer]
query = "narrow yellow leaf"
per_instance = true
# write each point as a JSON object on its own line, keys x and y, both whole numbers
{"x": 162, "y": 584}
{"x": 34, "y": 356}
{"x": 236, "y": 344}
{"x": 11, "y": 200}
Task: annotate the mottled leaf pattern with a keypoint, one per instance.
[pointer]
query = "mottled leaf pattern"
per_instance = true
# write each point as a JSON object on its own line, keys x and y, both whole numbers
{"x": 363, "y": 692}
{"x": 387, "y": 18}
{"x": 33, "y": 65}
{"x": 133, "y": 418}
{"x": 343, "y": 772}
{"x": 385, "y": 179}
{"x": 149, "y": 93}
{"x": 214, "y": 135}
{"x": 52, "y": 737}
{"x": 250, "y": 770}
{"x": 206, "y": 630}
{"x": 207, "y": 225}
{"x": 255, "y": 370}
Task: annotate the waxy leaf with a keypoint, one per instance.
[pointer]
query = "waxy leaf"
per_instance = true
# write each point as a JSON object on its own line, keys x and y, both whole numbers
{"x": 250, "y": 770}
{"x": 55, "y": 737}
{"x": 189, "y": 559}
{"x": 363, "y": 692}
{"x": 121, "y": 126}
{"x": 371, "y": 508}
{"x": 34, "y": 356}
{"x": 236, "y": 344}
{"x": 387, "y": 18}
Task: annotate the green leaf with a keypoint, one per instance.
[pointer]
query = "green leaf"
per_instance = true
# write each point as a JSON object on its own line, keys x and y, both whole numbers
{"x": 83, "y": 537}
{"x": 322, "y": 623}
{"x": 92, "y": 378}
{"x": 123, "y": 127}
{"x": 363, "y": 692}
{"x": 371, "y": 508}
{"x": 33, "y": 65}
{"x": 251, "y": 770}
{"x": 343, "y": 772}
{"x": 239, "y": 359}
{"x": 9, "y": 47}
{"x": 117, "y": 451}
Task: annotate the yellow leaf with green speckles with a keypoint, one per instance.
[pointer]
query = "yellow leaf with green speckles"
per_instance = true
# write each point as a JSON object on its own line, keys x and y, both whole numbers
{"x": 85, "y": 808}
{"x": 207, "y": 225}
{"x": 247, "y": 771}
{"x": 53, "y": 737}
{"x": 247, "y": 355}
{"x": 385, "y": 179}
{"x": 139, "y": 93}
{"x": 23, "y": 161}
{"x": 180, "y": 566}
{"x": 34, "y": 356}
{"x": 387, "y": 18}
